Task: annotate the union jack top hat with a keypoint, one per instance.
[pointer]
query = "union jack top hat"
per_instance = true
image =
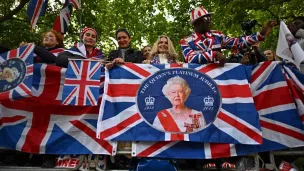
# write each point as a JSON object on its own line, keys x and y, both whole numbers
{"x": 198, "y": 13}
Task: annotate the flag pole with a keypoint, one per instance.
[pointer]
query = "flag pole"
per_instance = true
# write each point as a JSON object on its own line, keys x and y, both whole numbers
{"x": 100, "y": 60}
{"x": 80, "y": 20}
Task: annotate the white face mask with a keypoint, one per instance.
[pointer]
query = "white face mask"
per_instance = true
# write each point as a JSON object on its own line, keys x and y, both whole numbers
{"x": 300, "y": 33}
{"x": 301, "y": 43}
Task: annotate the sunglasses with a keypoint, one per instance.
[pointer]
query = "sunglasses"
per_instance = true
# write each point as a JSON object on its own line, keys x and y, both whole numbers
{"x": 206, "y": 18}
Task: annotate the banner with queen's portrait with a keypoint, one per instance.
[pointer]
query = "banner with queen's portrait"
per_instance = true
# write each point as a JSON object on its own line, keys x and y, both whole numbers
{"x": 185, "y": 100}
{"x": 16, "y": 73}
{"x": 202, "y": 103}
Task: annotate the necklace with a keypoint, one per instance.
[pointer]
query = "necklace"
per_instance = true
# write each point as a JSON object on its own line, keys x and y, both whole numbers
{"x": 179, "y": 113}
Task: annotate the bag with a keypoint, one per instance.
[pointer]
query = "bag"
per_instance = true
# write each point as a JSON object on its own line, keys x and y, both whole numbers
{"x": 155, "y": 165}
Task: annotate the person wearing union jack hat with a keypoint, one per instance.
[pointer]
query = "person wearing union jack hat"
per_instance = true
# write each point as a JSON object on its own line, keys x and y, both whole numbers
{"x": 85, "y": 49}
{"x": 204, "y": 45}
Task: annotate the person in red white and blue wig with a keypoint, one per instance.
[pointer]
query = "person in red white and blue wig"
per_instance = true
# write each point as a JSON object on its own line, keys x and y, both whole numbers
{"x": 204, "y": 45}
{"x": 86, "y": 49}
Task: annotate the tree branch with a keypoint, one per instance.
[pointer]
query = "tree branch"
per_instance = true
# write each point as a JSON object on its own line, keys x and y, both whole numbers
{"x": 10, "y": 14}
{"x": 23, "y": 20}
{"x": 18, "y": 19}
{"x": 277, "y": 3}
{"x": 267, "y": 9}
{"x": 272, "y": 4}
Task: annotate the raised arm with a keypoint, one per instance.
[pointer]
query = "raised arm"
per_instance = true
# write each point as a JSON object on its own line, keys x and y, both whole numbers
{"x": 241, "y": 42}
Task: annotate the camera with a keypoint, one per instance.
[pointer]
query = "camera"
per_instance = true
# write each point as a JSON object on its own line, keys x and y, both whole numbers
{"x": 247, "y": 26}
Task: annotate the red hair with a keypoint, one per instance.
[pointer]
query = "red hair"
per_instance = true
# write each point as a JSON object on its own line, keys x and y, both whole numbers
{"x": 58, "y": 36}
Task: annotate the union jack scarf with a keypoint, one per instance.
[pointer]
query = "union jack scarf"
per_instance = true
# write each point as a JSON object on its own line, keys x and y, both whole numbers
{"x": 55, "y": 52}
{"x": 79, "y": 49}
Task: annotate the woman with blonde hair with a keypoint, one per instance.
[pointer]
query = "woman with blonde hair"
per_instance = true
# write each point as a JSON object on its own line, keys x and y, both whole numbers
{"x": 163, "y": 52}
{"x": 271, "y": 56}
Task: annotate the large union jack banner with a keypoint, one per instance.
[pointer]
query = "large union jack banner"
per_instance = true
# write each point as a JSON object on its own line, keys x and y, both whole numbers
{"x": 274, "y": 101}
{"x": 16, "y": 73}
{"x": 280, "y": 121}
{"x": 41, "y": 124}
{"x": 237, "y": 120}
{"x": 82, "y": 82}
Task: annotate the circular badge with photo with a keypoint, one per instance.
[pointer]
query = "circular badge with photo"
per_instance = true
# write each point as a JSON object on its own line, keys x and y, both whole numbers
{"x": 12, "y": 73}
{"x": 178, "y": 100}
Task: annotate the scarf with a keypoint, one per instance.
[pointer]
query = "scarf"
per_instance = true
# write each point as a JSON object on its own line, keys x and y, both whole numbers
{"x": 79, "y": 49}
{"x": 55, "y": 51}
{"x": 162, "y": 60}
{"x": 122, "y": 53}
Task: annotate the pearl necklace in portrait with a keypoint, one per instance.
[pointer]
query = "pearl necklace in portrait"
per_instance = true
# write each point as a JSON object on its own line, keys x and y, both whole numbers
{"x": 182, "y": 113}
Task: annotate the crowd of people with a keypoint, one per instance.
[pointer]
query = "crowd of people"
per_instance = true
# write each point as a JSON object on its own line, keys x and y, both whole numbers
{"x": 202, "y": 47}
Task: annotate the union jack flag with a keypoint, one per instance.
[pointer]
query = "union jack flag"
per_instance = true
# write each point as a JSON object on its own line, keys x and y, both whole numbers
{"x": 274, "y": 103}
{"x": 76, "y": 4}
{"x": 237, "y": 121}
{"x": 295, "y": 81}
{"x": 82, "y": 83}
{"x": 35, "y": 9}
{"x": 62, "y": 21}
{"x": 41, "y": 124}
{"x": 23, "y": 87}
{"x": 55, "y": 52}
{"x": 185, "y": 150}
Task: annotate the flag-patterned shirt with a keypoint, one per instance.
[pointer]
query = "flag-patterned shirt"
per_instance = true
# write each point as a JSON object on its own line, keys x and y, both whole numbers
{"x": 201, "y": 48}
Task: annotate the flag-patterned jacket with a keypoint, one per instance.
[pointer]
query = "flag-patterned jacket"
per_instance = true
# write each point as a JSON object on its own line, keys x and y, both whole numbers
{"x": 201, "y": 48}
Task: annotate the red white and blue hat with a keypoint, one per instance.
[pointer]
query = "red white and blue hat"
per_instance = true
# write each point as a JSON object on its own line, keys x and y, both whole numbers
{"x": 198, "y": 13}
{"x": 87, "y": 29}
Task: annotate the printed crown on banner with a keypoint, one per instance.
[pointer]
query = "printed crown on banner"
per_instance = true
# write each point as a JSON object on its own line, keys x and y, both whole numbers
{"x": 197, "y": 13}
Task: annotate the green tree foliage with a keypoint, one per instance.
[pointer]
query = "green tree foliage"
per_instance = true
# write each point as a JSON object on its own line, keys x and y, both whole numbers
{"x": 146, "y": 20}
